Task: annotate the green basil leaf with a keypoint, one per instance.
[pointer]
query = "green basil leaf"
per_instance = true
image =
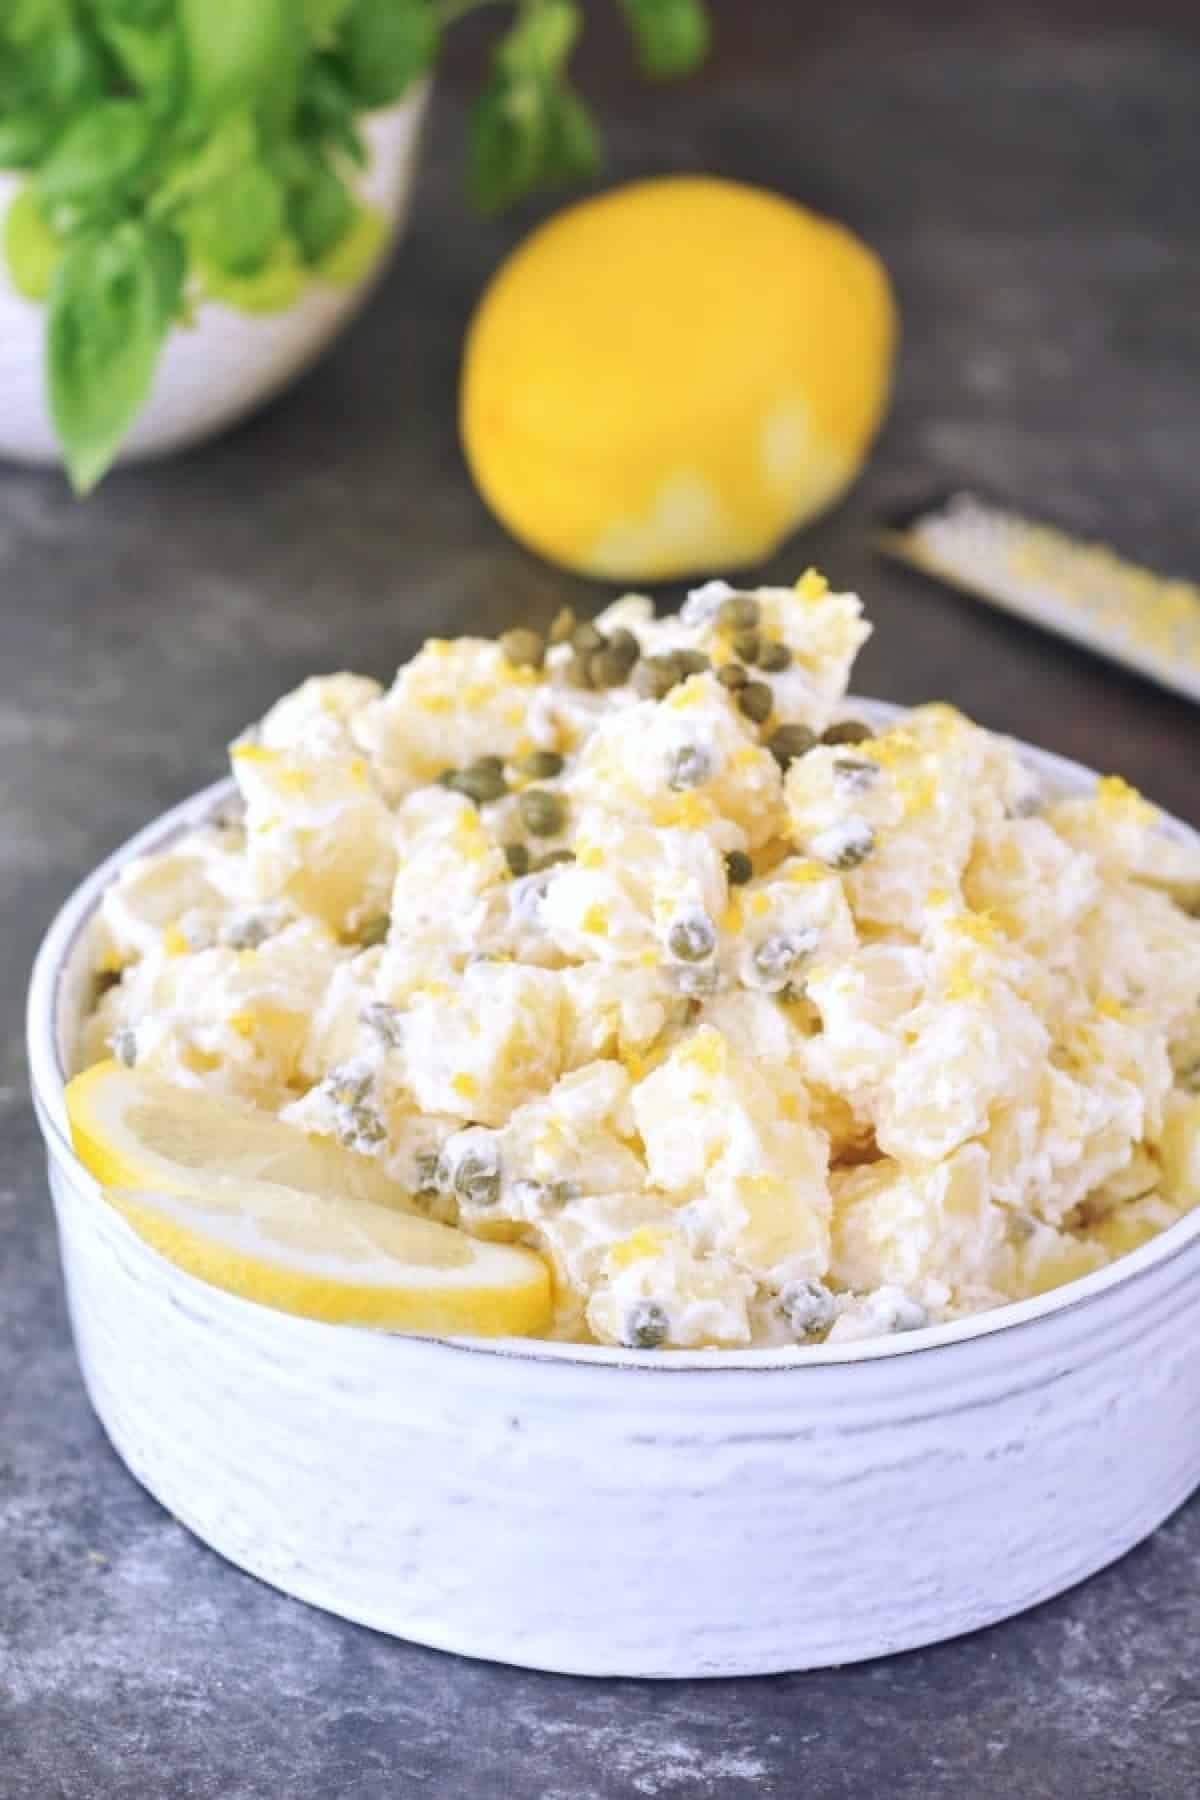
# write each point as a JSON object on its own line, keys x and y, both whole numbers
{"x": 194, "y": 171}
{"x": 96, "y": 164}
{"x": 573, "y": 146}
{"x": 26, "y": 133}
{"x": 538, "y": 44}
{"x": 104, "y": 335}
{"x": 321, "y": 210}
{"x": 150, "y": 56}
{"x": 142, "y": 15}
{"x": 234, "y": 227}
{"x": 672, "y": 37}
{"x": 168, "y": 260}
{"x": 244, "y": 53}
{"x": 508, "y": 135}
{"x": 327, "y": 108}
{"x": 386, "y": 45}
{"x": 32, "y": 250}
{"x": 322, "y": 18}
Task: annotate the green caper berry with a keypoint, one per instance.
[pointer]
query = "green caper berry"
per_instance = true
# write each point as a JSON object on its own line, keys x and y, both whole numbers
{"x": 447, "y": 778}
{"x": 578, "y": 672}
{"x": 655, "y": 676}
{"x": 756, "y": 701}
{"x": 542, "y": 765}
{"x": 542, "y": 813}
{"x": 551, "y": 860}
{"x": 693, "y": 938}
{"x": 587, "y": 637}
{"x": 477, "y": 1178}
{"x": 739, "y": 613}
{"x": 517, "y": 858}
{"x": 789, "y": 742}
{"x": 691, "y": 662}
{"x": 774, "y": 657}
{"x": 646, "y": 1326}
{"x": 426, "y": 1179}
{"x": 747, "y": 645}
{"x": 808, "y": 1307}
{"x": 489, "y": 762}
{"x": 562, "y": 625}
{"x": 738, "y": 868}
{"x": 732, "y": 675}
{"x": 623, "y": 644}
{"x": 375, "y": 931}
{"x": 846, "y": 731}
{"x": 482, "y": 785}
{"x": 606, "y": 670}
{"x": 523, "y": 648}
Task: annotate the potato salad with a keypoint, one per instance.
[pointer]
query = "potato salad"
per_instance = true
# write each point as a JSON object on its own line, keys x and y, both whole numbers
{"x": 627, "y": 942}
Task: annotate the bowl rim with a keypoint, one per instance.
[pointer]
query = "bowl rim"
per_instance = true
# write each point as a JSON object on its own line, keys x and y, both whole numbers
{"x": 48, "y": 1080}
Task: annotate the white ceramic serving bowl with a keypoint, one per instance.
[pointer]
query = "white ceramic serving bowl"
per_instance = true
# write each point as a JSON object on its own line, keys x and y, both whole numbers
{"x": 228, "y": 363}
{"x": 612, "y": 1512}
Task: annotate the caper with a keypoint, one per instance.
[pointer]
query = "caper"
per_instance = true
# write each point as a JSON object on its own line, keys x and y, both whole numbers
{"x": 426, "y": 1178}
{"x": 542, "y": 813}
{"x": 606, "y": 669}
{"x": 655, "y": 676}
{"x": 551, "y": 860}
{"x": 776, "y": 956}
{"x": 846, "y": 731}
{"x": 738, "y": 868}
{"x": 692, "y": 938}
{"x": 739, "y": 613}
{"x": 348, "y": 1086}
{"x": 854, "y": 773}
{"x": 732, "y": 675}
{"x": 790, "y": 741}
{"x": 249, "y": 932}
{"x": 774, "y": 657}
{"x": 747, "y": 645}
{"x": 691, "y": 662}
{"x": 375, "y": 931}
{"x": 522, "y": 647}
{"x": 587, "y": 637}
{"x": 690, "y": 766}
{"x": 756, "y": 701}
{"x": 360, "y": 1128}
{"x": 623, "y": 644}
{"x": 562, "y": 625}
{"x": 808, "y": 1307}
{"x": 517, "y": 858}
{"x": 490, "y": 761}
{"x": 384, "y": 1021}
{"x": 844, "y": 846}
{"x": 477, "y": 1176}
{"x": 543, "y": 765}
{"x": 480, "y": 784}
{"x": 646, "y": 1326}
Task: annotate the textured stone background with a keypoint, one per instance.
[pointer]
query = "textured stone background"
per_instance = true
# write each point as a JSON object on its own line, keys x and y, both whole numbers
{"x": 1033, "y": 189}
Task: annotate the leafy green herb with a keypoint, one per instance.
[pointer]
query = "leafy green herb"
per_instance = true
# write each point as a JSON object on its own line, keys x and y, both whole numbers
{"x": 31, "y": 249}
{"x": 386, "y": 45}
{"x": 672, "y": 36}
{"x": 180, "y": 150}
{"x": 106, "y": 328}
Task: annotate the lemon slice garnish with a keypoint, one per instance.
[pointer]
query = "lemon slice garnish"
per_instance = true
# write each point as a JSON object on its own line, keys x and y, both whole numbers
{"x": 233, "y": 1197}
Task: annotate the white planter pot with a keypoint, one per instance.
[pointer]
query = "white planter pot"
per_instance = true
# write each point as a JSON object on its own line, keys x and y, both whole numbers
{"x": 613, "y": 1512}
{"x": 227, "y": 363}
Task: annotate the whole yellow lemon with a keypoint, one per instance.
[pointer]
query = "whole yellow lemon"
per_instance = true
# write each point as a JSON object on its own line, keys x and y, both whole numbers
{"x": 670, "y": 378}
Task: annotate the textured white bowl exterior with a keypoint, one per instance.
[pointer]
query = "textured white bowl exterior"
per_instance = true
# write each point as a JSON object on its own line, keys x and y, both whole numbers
{"x": 608, "y": 1512}
{"x": 228, "y": 363}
